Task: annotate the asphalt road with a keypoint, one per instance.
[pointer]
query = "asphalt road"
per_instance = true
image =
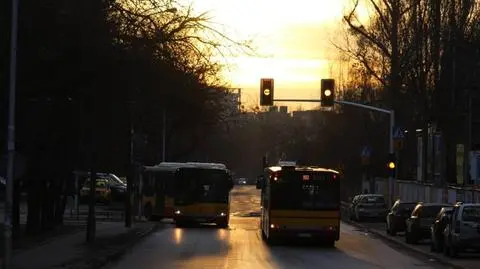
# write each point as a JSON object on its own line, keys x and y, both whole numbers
{"x": 241, "y": 246}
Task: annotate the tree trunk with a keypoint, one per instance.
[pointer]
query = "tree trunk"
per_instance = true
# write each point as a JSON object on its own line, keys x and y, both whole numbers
{"x": 16, "y": 209}
{"x": 34, "y": 200}
{"x": 395, "y": 81}
{"x": 60, "y": 200}
{"x": 47, "y": 205}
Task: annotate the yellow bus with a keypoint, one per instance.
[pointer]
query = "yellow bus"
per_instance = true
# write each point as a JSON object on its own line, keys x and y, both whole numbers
{"x": 300, "y": 202}
{"x": 158, "y": 190}
{"x": 202, "y": 194}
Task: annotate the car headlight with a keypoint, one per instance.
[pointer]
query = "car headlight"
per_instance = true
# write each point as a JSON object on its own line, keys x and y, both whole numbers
{"x": 178, "y": 212}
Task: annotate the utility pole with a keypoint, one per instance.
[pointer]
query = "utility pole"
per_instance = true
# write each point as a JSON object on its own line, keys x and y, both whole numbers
{"x": 11, "y": 138}
{"x": 130, "y": 175}
{"x": 453, "y": 97}
{"x": 468, "y": 141}
{"x": 164, "y": 133}
{"x": 91, "y": 225}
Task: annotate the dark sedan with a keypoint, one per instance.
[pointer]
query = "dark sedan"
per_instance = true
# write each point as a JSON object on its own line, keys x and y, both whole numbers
{"x": 397, "y": 215}
{"x": 418, "y": 224}
{"x": 437, "y": 228}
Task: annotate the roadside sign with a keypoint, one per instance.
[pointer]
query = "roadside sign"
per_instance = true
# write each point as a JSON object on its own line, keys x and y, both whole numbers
{"x": 398, "y": 133}
{"x": 365, "y": 160}
{"x": 398, "y": 144}
{"x": 366, "y": 152}
{"x": 398, "y": 137}
{"x": 365, "y": 155}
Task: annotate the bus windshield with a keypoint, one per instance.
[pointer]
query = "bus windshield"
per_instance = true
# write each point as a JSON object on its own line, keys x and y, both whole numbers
{"x": 201, "y": 185}
{"x": 305, "y": 190}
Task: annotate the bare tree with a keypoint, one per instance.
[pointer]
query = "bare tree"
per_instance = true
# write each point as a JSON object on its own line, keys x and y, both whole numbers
{"x": 416, "y": 51}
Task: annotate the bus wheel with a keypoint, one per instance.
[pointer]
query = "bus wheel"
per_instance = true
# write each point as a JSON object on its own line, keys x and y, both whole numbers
{"x": 272, "y": 240}
{"x": 155, "y": 218}
{"x": 147, "y": 211}
{"x": 223, "y": 224}
{"x": 264, "y": 237}
{"x": 181, "y": 224}
{"x": 329, "y": 244}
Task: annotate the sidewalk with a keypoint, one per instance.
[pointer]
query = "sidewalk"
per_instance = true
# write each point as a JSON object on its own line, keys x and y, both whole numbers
{"x": 465, "y": 261}
{"x": 71, "y": 251}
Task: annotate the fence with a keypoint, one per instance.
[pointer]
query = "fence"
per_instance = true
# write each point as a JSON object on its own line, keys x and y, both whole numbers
{"x": 418, "y": 191}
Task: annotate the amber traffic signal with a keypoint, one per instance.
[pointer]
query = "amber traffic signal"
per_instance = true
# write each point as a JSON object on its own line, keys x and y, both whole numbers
{"x": 266, "y": 92}
{"x": 392, "y": 165}
{"x": 328, "y": 92}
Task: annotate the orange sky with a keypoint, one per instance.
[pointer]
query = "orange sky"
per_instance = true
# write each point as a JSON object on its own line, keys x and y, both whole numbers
{"x": 292, "y": 38}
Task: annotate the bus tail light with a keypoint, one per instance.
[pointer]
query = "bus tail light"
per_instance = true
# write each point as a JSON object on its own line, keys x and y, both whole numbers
{"x": 332, "y": 228}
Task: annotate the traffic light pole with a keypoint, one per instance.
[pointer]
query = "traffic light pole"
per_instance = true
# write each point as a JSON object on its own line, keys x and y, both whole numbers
{"x": 391, "y": 112}
{"x": 391, "y": 183}
{"x": 298, "y": 100}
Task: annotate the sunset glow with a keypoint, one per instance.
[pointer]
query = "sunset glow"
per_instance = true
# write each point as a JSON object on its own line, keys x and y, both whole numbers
{"x": 293, "y": 41}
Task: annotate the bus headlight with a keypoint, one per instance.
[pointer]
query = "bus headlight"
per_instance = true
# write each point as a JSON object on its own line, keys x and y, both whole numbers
{"x": 178, "y": 212}
{"x": 222, "y": 214}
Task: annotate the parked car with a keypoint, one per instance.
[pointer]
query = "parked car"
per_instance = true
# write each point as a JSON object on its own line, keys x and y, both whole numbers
{"x": 242, "y": 181}
{"x": 462, "y": 231}
{"x": 419, "y": 222}
{"x": 369, "y": 206}
{"x": 119, "y": 191}
{"x": 397, "y": 216}
{"x": 352, "y": 205}
{"x": 103, "y": 192}
{"x": 437, "y": 228}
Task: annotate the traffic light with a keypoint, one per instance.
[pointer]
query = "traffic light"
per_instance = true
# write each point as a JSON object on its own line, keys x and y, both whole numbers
{"x": 392, "y": 165}
{"x": 266, "y": 92}
{"x": 328, "y": 92}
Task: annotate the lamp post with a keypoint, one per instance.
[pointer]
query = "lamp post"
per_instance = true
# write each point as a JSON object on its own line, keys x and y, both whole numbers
{"x": 11, "y": 137}
{"x": 164, "y": 134}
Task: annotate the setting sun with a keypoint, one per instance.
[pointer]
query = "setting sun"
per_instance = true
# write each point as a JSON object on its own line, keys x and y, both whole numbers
{"x": 292, "y": 41}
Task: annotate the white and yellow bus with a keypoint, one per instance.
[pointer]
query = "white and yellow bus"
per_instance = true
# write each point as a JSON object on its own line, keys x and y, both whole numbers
{"x": 202, "y": 194}
{"x": 158, "y": 190}
{"x": 300, "y": 202}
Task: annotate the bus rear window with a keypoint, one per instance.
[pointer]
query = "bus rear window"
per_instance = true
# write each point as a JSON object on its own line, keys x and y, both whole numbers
{"x": 294, "y": 190}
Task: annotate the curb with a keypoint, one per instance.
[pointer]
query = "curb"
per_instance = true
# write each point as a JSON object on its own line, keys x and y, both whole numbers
{"x": 48, "y": 240}
{"x": 405, "y": 246}
{"x": 112, "y": 255}
{"x": 117, "y": 254}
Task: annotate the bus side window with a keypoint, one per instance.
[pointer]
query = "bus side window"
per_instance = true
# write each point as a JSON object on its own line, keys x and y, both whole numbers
{"x": 158, "y": 184}
{"x": 168, "y": 184}
{"x": 148, "y": 187}
{"x": 266, "y": 189}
